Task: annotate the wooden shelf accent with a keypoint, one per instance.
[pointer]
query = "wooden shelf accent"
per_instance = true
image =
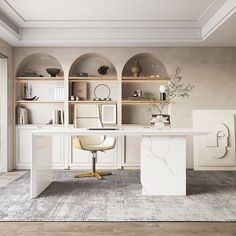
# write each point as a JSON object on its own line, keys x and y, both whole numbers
{"x": 144, "y": 79}
{"x": 91, "y": 101}
{"x": 92, "y": 79}
{"x": 37, "y": 125}
{"x": 38, "y": 101}
{"x": 139, "y": 102}
{"x": 34, "y": 79}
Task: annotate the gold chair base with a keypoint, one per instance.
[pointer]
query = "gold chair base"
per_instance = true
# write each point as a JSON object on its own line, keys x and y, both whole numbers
{"x": 98, "y": 174}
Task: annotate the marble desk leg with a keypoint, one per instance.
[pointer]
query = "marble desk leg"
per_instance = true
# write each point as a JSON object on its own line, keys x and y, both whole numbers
{"x": 163, "y": 165}
{"x": 41, "y": 164}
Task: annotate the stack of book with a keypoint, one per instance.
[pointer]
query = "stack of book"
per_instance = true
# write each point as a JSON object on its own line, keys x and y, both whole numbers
{"x": 22, "y": 116}
{"x": 59, "y": 93}
{"x": 58, "y": 117}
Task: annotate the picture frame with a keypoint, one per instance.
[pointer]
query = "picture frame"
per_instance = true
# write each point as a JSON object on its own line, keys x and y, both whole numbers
{"x": 108, "y": 113}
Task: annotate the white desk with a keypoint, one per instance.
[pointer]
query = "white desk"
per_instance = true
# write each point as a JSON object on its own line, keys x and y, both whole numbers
{"x": 163, "y": 157}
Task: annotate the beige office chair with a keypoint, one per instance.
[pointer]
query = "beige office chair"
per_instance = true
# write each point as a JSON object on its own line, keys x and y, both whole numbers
{"x": 88, "y": 116}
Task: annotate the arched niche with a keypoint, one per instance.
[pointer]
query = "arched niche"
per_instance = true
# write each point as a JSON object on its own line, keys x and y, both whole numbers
{"x": 38, "y": 63}
{"x": 89, "y": 63}
{"x": 150, "y": 66}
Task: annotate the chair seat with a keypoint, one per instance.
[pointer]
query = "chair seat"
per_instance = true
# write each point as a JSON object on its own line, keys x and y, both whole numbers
{"x": 108, "y": 144}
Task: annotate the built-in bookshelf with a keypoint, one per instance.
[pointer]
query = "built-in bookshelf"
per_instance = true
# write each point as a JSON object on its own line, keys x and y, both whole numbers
{"x": 55, "y": 96}
{"x": 33, "y": 80}
{"x": 153, "y": 74}
{"x": 130, "y": 110}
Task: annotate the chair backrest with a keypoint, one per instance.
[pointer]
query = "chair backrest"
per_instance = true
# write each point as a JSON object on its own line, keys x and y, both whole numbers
{"x": 88, "y": 116}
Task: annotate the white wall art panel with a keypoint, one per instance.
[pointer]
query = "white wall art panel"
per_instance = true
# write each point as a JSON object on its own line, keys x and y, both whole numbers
{"x": 218, "y": 148}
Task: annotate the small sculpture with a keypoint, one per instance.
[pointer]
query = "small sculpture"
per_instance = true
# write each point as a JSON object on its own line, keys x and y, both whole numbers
{"x": 136, "y": 69}
{"x": 27, "y": 90}
{"x": 103, "y": 70}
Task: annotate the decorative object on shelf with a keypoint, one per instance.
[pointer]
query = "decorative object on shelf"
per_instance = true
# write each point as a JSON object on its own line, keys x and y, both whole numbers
{"x": 53, "y": 71}
{"x": 27, "y": 93}
{"x": 155, "y": 71}
{"x": 59, "y": 93}
{"x": 102, "y": 93}
{"x": 58, "y": 117}
{"x": 162, "y": 93}
{"x": 81, "y": 74}
{"x": 174, "y": 89}
{"x": 79, "y": 90}
{"x": 166, "y": 118}
{"x": 22, "y": 115}
{"x": 159, "y": 122}
{"x": 72, "y": 98}
{"x": 30, "y": 74}
{"x": 103, "y": 70}
{"x": 136, "y": 69}
{"x": 31, "y": 99}
{"x": 108, "y": 113}
{"x": 137, "y": 93}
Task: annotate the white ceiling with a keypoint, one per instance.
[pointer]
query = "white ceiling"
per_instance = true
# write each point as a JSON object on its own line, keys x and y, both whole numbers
{"x": 54, "y": 10}
{"x": 118, "y": 22}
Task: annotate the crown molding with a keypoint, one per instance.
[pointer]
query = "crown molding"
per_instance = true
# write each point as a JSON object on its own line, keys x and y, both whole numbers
{"x": 213, "y": 7}
{"x": 116, "y": 33}
{"x": 224, "y": 13}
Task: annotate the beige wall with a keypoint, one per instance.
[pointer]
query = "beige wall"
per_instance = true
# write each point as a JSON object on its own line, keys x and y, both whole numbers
{"x": 211, "y": 70}
{"x": 7, "y": 51}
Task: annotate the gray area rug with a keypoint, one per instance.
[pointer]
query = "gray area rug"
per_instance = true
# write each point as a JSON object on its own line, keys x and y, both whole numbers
{"x": 211, "y": 197}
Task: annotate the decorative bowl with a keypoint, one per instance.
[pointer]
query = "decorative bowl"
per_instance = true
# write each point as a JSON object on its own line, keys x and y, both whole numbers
{"x": 53, "y": 71}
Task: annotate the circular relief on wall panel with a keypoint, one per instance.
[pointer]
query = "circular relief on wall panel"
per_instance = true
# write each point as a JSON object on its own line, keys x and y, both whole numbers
{"x": 102, "y": 92}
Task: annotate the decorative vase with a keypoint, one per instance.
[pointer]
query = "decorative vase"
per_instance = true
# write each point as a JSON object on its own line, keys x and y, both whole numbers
{"x": 136, "y": 69}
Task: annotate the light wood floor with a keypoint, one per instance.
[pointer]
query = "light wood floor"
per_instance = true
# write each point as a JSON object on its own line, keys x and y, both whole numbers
{"x": 8, "y": 177}
{"x": 117, "y": 229}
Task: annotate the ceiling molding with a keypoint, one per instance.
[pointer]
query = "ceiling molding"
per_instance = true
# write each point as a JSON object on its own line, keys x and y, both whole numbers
{"x": 213, "y": 7}
{"x": 109, "y": 33}
{"x": 10, "y": 24}
{"x": 226, "y": 11}
{"x": 11, "y": 13}
{"x": 10, "y": 32}
{"x": 113, "y": 32}
{"x": 8, "y": 35}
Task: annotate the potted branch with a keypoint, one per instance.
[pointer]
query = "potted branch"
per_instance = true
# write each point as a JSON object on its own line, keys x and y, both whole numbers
{"x": 174, "y": 89}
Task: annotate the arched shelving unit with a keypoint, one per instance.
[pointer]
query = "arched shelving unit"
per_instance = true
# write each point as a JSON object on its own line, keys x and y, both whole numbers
{"x": 32, "y": 71}
{"x": 84, "y": 76}
{"x": 89, "y": 63}
{"x": 136, "y": 110}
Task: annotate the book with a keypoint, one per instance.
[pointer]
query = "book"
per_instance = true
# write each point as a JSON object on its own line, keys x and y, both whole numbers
{"x": 58, "y": 117}
{"x": 79, "y": 89}
{"x": 22, "y": 117}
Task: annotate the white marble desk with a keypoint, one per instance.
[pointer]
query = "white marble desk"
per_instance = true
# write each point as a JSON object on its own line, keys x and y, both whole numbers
{"x": 163, "y": 157}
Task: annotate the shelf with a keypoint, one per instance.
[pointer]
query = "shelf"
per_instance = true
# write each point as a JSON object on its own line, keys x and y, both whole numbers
{"x": 92, "y": 79}
{"x": 34, "y": 79}
{"x": 144, "y": 79}
{"x": 38, "y": 101}
{"x": 91, "y": 101}
{"x": 140, "y": 102}
{"x": 39, "y": 125}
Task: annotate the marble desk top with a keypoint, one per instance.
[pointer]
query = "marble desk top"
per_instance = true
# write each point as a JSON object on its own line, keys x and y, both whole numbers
{"x": 148, "y": 131}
